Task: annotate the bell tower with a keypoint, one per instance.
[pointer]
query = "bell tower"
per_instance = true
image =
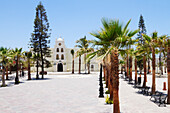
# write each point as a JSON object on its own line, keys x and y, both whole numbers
{"x": 59, "y": 55}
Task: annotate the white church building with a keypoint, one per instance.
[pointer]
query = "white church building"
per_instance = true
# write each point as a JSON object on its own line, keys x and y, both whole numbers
{"x": 61, "y": 59}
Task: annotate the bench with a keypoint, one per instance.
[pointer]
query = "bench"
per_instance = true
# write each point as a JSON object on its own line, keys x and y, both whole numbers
{"x": 160, "y": 98}
{"x": 156, "y": 95}
{"x": 144, "y": 90}
{"x": 130, "y": 81}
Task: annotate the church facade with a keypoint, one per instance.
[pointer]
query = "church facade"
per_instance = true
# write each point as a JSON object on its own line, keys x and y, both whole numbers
{"x": 61, "y": 59}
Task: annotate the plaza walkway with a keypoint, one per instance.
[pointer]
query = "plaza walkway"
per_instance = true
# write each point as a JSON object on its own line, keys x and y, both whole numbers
{"x": 133, "y": 102}
{"x": 67, "y": 93}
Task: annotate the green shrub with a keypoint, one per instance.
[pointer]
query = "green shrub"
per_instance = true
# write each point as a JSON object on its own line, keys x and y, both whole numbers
{"x": 4, "y": 86}
{"x": 107, "y": 92}
{"x": 108, "y": 100}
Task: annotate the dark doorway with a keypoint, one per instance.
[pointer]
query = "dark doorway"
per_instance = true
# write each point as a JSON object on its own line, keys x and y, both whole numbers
{"x": 60, "y": 67}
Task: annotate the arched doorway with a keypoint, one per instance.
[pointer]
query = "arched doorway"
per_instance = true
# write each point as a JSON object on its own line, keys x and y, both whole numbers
{"x": 60, "y": 67}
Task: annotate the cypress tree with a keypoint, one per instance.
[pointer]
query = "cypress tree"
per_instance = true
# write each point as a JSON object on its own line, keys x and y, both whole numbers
{"x": 40, "y": 38}
{"x": 142, "y": 30}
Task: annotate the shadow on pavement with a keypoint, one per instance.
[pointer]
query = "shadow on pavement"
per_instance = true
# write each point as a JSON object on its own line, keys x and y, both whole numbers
{"x": 40, "y": 79}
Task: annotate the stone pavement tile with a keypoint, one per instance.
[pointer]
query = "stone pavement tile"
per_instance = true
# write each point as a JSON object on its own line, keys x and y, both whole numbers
{"x": 59, "y": 94}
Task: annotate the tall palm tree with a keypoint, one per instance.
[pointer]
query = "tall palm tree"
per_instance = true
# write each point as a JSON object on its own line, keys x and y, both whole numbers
{"x": 83, "y": 45}
{"x": 152, "y": 42}
{"x": 17, "y": 54}
{"x": 111, "y": 37}
{"x": 72, "y": 52}
{"x": 4, "y": 58}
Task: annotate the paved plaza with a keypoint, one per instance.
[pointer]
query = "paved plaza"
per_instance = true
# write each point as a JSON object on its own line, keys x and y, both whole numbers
{"x": 68, "y": 93}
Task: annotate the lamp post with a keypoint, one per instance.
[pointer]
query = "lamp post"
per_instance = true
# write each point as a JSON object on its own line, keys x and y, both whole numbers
{"x": 101, "y": 84}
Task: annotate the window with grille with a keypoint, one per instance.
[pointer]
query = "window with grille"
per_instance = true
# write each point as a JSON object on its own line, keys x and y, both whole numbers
{"x": 62, "y": 57}
{"x": 57, "y": 57}
{"x": 57, "y": 49}
{"x": 62, "y": 50}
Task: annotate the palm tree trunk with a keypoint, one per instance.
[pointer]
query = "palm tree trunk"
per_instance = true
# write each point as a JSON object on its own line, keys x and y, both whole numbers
{"x": 104, "y": 69}
{"x": 85, "y": 61}
{"x": 110, "y": 82}
{"x": 29, "y": 74}
{"x": 168, "y": 66}
{"x": 130, "y": 67}
{"x": 127, "y": 65}
{"x": 116, "y": 108}
{"x": 73, "y": 64}
{"x": 7, "y": 73}
{"x": 79, "y": 64}
{"x": 89, "y": 67}
{"x": 10, "y": 71}
{"x": 112, "y": 73}
{"x": 160, "y": 62}
{"x": 110, "y": 76}
{"x": 148, "y": 65}
{"x": 3, "y": 76}
{"x": 111, "y": 86}
{"x": 17, "y": 78}
{"x": 107, "y": 74}
{"x": 165, "y": 67}
{"x": 22, "y": 69}
{"x": 153, "y": 71}
{"x": 144, "y": 65}
{"x": 135, "y": 71}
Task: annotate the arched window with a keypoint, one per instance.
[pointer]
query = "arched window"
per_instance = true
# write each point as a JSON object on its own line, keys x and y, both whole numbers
{"x": 57, "y": 49}
{"x": 57, "y": 57}
{"x": 62, "y": 50}
{"x": 62, "y": 57}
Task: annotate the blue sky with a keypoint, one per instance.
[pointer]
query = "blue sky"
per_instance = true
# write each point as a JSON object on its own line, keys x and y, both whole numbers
{"x": 73, "y": 19}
